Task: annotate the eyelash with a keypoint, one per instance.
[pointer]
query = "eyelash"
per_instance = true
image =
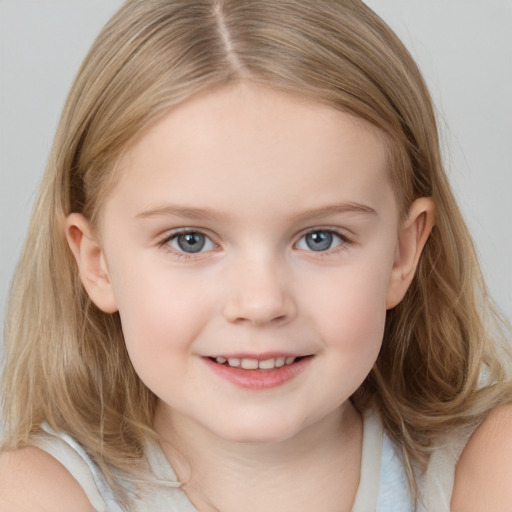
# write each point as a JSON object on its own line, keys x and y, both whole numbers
{"x": 165, "y": 243}
{"x": 343, "y": 242}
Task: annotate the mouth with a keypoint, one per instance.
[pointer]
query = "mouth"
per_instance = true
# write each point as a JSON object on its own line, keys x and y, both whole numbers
{"x": 266, "y": 364}
{"x": 258, "y": 373}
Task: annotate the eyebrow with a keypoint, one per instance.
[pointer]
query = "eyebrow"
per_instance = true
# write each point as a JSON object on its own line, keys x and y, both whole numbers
{"x": 349, "y": 207}
{"x": 214, "y": 215}
{"x": 181, "y": 211}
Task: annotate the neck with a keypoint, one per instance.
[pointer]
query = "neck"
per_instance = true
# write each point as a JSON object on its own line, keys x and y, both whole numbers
{"x": 316, "y": 469}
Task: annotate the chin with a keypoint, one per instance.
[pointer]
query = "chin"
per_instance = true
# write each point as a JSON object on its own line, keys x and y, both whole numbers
{"x": 258, "y": 433}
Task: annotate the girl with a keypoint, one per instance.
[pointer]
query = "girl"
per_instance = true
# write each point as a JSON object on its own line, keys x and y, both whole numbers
{"x": 247, "y": 285}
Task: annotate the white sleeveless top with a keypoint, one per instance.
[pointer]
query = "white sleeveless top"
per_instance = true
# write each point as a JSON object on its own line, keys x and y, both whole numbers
{"x": 382, "y": 485}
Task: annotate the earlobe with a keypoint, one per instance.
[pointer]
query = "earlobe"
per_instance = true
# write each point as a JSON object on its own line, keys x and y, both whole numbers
{"x": 412, "y": 237}
{"x": 92, "y": 266}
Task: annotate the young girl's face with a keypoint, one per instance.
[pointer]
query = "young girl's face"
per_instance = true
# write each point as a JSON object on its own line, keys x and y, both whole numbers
{"x": 251, "y": 247}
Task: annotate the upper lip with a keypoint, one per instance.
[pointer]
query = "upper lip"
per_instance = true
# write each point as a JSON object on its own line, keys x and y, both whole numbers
{"x": 259, "y": 356}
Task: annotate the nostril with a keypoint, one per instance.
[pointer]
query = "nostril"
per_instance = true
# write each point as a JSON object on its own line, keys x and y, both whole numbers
{"x": 280, "y": 319}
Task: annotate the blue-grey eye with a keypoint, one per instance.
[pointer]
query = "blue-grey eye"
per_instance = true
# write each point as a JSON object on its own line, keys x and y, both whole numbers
{"x": 191, "y": 242}
{"x": 321, "y": 240}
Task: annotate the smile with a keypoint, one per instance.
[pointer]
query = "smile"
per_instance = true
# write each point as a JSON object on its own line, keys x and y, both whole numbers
{"x": 256, "y": 364}
{"x": 258, "y": 373}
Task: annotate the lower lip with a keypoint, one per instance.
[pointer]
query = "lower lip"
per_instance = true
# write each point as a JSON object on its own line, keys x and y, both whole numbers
{"x": 259, "y": 379}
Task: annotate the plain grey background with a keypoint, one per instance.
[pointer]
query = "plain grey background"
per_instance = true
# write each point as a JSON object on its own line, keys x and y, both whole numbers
{"x": 464, "y": 48}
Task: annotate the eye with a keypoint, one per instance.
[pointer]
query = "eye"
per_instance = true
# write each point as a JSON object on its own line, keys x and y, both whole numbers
{"x": 320, "y": 240}
{"x": 189, "y": 242}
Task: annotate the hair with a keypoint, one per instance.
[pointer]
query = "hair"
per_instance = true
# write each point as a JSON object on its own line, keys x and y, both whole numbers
{"x": 65, "y": 360}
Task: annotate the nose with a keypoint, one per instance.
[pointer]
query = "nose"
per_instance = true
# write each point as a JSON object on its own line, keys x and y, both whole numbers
{"x": 259, "y": 294}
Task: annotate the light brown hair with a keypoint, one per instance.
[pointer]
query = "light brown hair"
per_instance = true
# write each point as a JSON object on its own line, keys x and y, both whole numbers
{"x": 65, "y": 360}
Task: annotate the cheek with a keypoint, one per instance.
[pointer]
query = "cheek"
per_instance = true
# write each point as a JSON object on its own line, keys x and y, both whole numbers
{"x": 159, "y": 327}
{"x": 354, "y": 326}
{"x": 353, "y": 308}
{"x": 160, "y": 312}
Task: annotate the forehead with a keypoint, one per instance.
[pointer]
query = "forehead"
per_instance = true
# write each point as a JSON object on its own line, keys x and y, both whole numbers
{"x": 245, "y": 145}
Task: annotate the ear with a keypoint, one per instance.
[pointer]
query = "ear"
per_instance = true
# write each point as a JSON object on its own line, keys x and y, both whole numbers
{"x": 412, "y": 237}
{"x": 92, "y": 266}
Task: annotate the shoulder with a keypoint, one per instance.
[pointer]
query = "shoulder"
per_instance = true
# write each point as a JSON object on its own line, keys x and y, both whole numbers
{"x": 32, "y": 480}
{"x": 482, "y": 475}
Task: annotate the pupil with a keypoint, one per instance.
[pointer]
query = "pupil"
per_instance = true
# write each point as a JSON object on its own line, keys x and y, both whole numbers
{"x": 191, "y": 242}
{"x": 319, "y": 240}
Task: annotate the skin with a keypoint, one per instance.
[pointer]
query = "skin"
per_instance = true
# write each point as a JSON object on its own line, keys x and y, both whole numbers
{"x": 482, "y": 477}
{"x": 32, "y": 480}
{"x": 255, "y": 171}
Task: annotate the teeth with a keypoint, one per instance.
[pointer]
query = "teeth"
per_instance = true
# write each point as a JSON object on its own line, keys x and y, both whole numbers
{"x": 254, "y": 364}
{"x": 249, "y": 364}
{"x": 268, "y": 364}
